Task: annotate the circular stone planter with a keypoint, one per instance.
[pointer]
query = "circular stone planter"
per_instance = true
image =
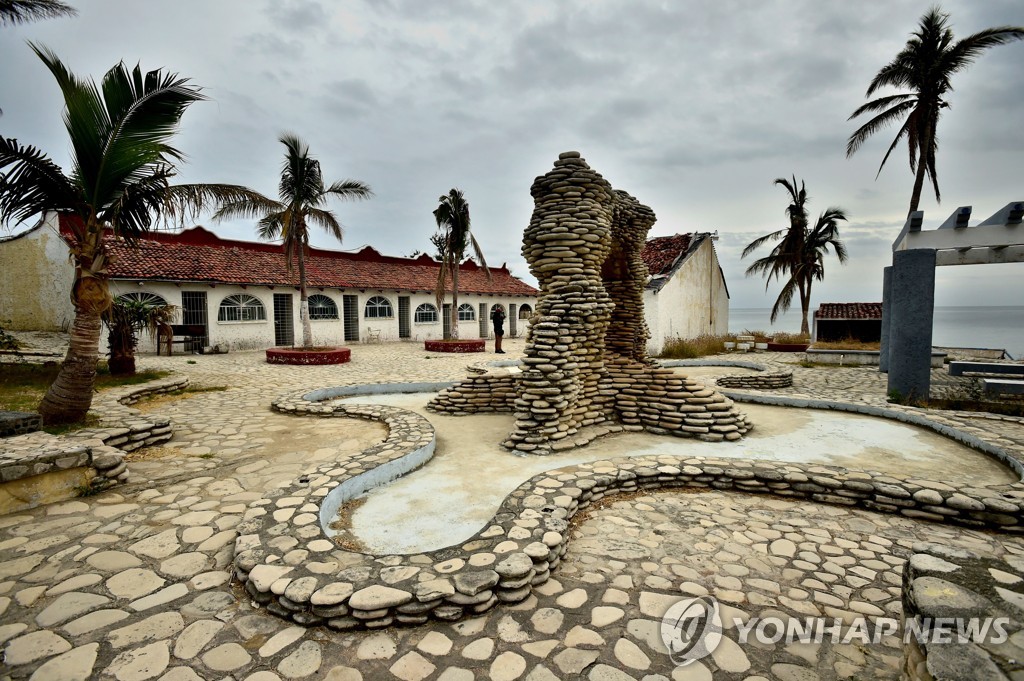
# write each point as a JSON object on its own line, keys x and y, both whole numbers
{"x": 788, "y": 347}
{"x": 310, "y": 357}
{"x": 472, "y": 345}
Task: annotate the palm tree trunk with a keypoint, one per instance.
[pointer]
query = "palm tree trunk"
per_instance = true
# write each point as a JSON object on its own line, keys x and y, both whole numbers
{"x": 455, "y": 302}
{"x": 307, "y": 328}
{"x": 915, "y": 196}
{"x": 69, "y": 398}
{"x": 805, "y": 304}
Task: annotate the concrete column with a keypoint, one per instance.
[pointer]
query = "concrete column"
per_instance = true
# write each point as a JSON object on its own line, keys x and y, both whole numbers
{"x": 912, "y": 296}
{"x": 883, "y": 351}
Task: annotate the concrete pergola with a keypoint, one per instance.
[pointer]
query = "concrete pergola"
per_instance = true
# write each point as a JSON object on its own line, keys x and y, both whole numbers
{"x": 908, "y": 286}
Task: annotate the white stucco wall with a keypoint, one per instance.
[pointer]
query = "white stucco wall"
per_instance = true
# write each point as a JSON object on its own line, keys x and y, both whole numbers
{"x": 35, "y": 280}
{"x": 693, "y": 302}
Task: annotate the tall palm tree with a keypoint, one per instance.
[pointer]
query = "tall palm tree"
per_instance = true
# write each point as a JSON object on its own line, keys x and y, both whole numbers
{"x": 118, "y": 186}
{"x": 454, "y": 236}
{"x": 22, "y": 11}
{"x": 302, "y": 192}
{"x": 800, "y": 252}
{"x": 925, "y": 66}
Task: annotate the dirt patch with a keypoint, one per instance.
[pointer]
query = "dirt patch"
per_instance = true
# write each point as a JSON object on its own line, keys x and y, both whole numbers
{"x": 342, "y": 524}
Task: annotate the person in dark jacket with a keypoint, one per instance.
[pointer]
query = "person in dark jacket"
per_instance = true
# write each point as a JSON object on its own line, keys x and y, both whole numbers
{"x": 498, "y": 321}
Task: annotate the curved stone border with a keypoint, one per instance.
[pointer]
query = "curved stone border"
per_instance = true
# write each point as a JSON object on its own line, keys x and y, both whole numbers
{"x": 301, "y": 357}
{"x": 932, "y": 422}
{"x": 288, "y": 564}
{"x": 767, "y": 380}
{"x": 470, "y": 345}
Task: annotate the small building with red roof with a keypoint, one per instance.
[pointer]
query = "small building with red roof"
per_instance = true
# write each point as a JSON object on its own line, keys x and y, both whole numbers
{"x": 842, "y": 321}
{"x": 244, "y": 296}
{"x": 686, "y": 295}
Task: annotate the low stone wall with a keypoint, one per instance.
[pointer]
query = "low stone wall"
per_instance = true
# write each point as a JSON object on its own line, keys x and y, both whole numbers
{"x": 98, "y": 451}
{"x": 941, "y": 582}
{"x": 859, "y": 357}
{"x": 494, "y": 391}
{"x": 19, "y": 423}
{"x": 298, "y": 356}
{"x": 766, "y": 381}
{"x": 315, "y": 581}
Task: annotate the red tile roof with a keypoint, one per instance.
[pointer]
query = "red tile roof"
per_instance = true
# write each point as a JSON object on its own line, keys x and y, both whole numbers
{"x": 198, "y": 255}
{"x": 661, "y": 252}
{"x": 849, "y": 311}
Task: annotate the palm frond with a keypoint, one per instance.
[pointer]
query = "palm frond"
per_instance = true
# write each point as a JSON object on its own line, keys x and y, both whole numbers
{"x": 480, "y": 256}
{"x": 327, "y": 220}
{"x": 785, "y": 299}
{"x": 758, "y": 242}
{"x": 882, "y": 120}
{"x": 14, "y": 12}
{"x": 185, "y": 202}
{"x": 350, "y": 190}
{"x": 32, "y": 185}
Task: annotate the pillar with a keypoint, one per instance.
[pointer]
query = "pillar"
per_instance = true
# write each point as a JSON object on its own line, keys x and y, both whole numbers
{"x": 883, "y": 351}
{"x": 912, "y": 293}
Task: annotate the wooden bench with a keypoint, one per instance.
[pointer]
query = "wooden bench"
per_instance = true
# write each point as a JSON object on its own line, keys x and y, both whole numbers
{"x": 961, "y": 368}
{"x": 189, "y": 336}
{"x": 1002, "y": 386}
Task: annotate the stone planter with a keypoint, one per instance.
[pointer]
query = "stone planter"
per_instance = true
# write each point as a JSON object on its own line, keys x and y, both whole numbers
{"x": 729, "y": 345}
{"x": 471, "y": 345}
{"x": 788, "y": 347}
{"x": 743, "y": 347}
{"x": 760, "y": 346}
{"x": 309, "y": 357}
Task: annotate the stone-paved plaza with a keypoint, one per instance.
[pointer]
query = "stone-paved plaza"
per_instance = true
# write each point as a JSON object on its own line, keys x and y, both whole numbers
{"x": 135, "y": 583}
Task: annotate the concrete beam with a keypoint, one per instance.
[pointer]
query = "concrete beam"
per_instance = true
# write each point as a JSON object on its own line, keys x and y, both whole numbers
{"x": 980, "y": 256}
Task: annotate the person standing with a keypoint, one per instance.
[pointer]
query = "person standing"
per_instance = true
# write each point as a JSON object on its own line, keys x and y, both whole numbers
{"x": 498, "y": 322}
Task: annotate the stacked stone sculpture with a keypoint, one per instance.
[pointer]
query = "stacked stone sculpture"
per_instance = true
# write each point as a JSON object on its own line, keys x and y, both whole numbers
{"x": 585, "y": 365}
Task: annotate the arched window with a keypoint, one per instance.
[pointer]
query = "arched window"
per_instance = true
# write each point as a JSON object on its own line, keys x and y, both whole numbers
{"x": 322, "y": 307}
{"x": 426, "y": 314}
{"x": 378, "y": 307}
{"x": 467, "y": 313}
{"x": 241, "y": 308}
{"x": 144, "y": 297}
{"x": 525, "y": 312}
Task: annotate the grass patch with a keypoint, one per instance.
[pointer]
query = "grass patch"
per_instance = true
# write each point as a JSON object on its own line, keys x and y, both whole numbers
{"x": 690, "y": 348}
{"x": 847, "y": 344}
{"x": 759, "y": 336}
{"x": 790, "y": 338}
{"x": 22, "y": 386}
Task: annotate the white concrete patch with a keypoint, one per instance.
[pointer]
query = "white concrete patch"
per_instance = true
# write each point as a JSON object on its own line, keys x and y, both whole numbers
{"x": 460, "y": 489}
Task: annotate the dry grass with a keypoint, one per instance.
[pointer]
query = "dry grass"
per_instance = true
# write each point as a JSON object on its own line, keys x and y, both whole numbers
{"x": 847, "y": 344}
{"x": 690, "y": 348}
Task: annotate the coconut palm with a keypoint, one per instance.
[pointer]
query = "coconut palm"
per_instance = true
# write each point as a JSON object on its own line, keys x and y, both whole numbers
{"x": 925, "y": 66}
{"x": 22, "y": 11}
{"x": 124, "y": 320}
{"x": 800, "y": 252}
{"x": 118, "y": 185}
{"x": 454, "y": 236}
{"x": 302, "y": 193}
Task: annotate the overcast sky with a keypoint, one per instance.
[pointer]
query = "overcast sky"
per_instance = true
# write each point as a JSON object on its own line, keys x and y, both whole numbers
{"x": 692, "y": 107}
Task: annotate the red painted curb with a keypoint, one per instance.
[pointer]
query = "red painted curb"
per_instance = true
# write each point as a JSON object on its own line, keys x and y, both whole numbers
{"x": 474, "y": 345}
{"x": 308, "y": 357}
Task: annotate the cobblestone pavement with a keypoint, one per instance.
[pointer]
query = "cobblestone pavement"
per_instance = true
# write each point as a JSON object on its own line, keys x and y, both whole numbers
{"x": 134, "y": 583}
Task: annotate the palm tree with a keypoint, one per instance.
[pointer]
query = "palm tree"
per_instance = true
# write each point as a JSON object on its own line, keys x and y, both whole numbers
{"x": 119, "y": 183}
{"x": 22, "y": 11}
{"x": 302, "y": 192}
{"x": 124, "y": 320}
{"x": 925, "y": 66}
{"x": 800, "y": 253}
{"x": 454, "y": 236}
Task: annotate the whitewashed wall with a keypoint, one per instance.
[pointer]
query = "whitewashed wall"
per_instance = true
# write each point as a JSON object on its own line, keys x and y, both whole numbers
{"x": 693, "y": 302}
{"x": 35, "y": 280}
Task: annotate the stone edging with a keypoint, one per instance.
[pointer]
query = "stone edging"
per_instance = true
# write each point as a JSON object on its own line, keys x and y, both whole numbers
{"x": 289, "y": 565}
{"x": 765, "y": 380}
{"x": 122, "y": 429}
{"x": 943, "y": 582}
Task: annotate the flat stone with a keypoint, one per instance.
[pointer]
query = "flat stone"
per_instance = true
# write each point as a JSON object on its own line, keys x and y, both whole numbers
{"x": 547, "y": 620}
{"x": 94, "y": 620}
{"x": 379, "y": 597}
{"x": 158, "y": 545}
{"x": 603, "y": 615}
{"x": 630, "y": 655}
{"x": 226, "y": 657}
{"x": 572, "y": 661}
{"x": 376, "y": 647}
{"x": 412, "y": 667}
{"x": 281, "y": 640}
{"x": 507, "y": 666}
{"x": 74, "y": 665}
{"x": 34, "y": 646}
{"x": 195, "y": 637}
{"x": 572, "y": 599}
{"x": 332, "y": 594}
{"x": 435, "y": 643}
{"x": 138, "y": 664}
{"x": 165, "y": 595}
{"x": 472, "y": 583}
{"x": 68, "y": 606}
{"x": 480, "y": 649}
{"x": 304, "y": 661}
{"x": 134, "y": 583}
{"x": 185, "y": 564}
{"x": 160, "y": 626}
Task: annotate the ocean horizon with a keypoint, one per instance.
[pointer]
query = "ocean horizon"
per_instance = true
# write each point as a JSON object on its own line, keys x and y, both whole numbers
{"x": 999, "y": 327}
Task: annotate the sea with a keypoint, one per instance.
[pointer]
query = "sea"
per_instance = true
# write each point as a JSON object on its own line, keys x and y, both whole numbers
{"x": 961, "y": 327}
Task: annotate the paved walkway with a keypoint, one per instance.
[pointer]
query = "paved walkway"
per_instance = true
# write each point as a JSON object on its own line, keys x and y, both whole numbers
{"x": 133, "y": 584}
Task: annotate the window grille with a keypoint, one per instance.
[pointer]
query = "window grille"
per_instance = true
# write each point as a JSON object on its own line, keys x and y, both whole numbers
{"x": 378, "y": 307}
{"x": 425, "y": 314}
{"x": 241, "y": 308}
{"x": 322, "y": 307}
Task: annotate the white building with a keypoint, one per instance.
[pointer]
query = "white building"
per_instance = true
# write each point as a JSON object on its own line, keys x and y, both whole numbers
{"x": 242, "y": 295}
{"x": 686, "y": 295}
